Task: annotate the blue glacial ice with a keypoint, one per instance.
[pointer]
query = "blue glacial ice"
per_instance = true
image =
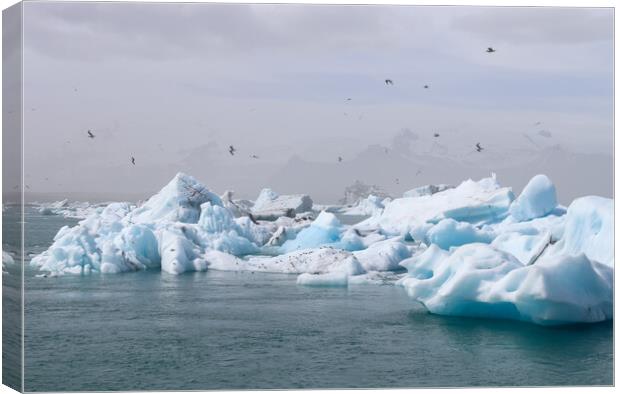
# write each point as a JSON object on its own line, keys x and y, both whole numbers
{"x": 471, "y": 250}
{"x": 537, "y": 199}
{"x": 326, "y": 229}
{"x": 480, "y": 281}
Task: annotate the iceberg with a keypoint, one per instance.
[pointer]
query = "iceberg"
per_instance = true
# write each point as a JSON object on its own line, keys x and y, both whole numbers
{"x": 589, "y": 229}
{"x": 537, "y": 199}
{"x": 326, "y": 229}
{"x": 448, "y": 233}
{"x": 372, "y": 205}
{"x": 238, "y": 208}
{"x": 478, "y": 280}
{"x": 69, "y": 209}
{"x": 473, "y": 250}
{"x": 427, "y": 190}
{"x": 385, "y": 255}
{"x": 170, "y": 232}
{"x": 270, "y": 205}
{"x": 178, "y": 201}
{"x": 313, "y": 261}
{"x": 477, "y": 203}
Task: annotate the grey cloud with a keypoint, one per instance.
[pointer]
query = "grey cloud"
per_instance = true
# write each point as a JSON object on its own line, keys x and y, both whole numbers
{"x": 539, "y": 25}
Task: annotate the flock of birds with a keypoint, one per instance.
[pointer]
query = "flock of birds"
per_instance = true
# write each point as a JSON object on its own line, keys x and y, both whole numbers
{"x": 232, "y": 150}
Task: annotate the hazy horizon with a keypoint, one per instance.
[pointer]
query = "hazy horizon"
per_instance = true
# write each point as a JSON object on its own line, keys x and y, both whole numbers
{"x": 174, "y": 85}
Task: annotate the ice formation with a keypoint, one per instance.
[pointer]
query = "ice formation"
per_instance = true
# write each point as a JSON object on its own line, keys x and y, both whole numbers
{"x": 427, "y": 190}
{"x": 471, "y": 250}
{"x": 480, "y": 281}
{"x": 471, "y": 202}
{"x": 70, "y": 209}
{"x": 7, "y": 260}
{"x": 371, "y": 205}
{"x": 326, "y": 229}
{"x": 536, "y": 200}
{"x": 271, "y": 205}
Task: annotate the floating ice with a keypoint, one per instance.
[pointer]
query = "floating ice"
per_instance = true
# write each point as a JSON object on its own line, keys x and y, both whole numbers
{"x": 70, "y": 209}
{"x": 371, "y": 205}
{"x": 325, "y": 230}
{"x": 449, "y": 232}
{"x": 427, "y": 190}
{"x": 472, "y": 202}
{"x": 537, "y": 199}
{"x": 271, "y": 204}
{"x": 487, "y": 255}
{"x": 384, "y": 255}
{"x": 480, "y": 281}
{"x": 7, "y": 260}
{"x": 178, "y": 201}
{"x": 589, "y": 229}
{"x": 314, "y": 261}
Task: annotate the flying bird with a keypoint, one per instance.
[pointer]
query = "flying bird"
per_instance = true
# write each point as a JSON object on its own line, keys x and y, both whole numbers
{"x": 425, "y": 86}
{"x": 133, "y": 160}
{"x": 436, "y": 135}
{"x": 389, "y": 82}
{"x": 231, "y": 150}
{"x": 90, "y": 134}
{"x": 348, "y": 99}
{"x": 397, "y": 181}
{"x": 537, "y": 123}
{"x": 254, "y": 157}
{"x": 490, "y": 50}
{"x": 339, "y": 159}
{"x": 478, "y": 147}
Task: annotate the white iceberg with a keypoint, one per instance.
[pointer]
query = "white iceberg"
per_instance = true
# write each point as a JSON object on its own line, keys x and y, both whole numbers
{"x": 427, "y": 190}
{"x": 270, "y": 204}
{"x": 70, "y": 209}
{"x": 589, "y": 229}
{"x": 537, "y": 199}
{"x": 476, "y": 250}
{"x": 371, "y": 205}
{"x": 448, "y": 233}
{"x": 178, "y": 201}
{"x": 477, "y": 203}
{"x": 313, "y": 261}
{"x": 385, "y": 255}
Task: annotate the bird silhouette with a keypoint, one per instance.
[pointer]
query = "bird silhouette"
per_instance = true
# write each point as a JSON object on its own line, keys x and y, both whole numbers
{"x": 478, "y": 147}
{"x": 133, "y": 160}
{"x": 339, "y": 159}
{"x": 254, "y": 157}
{"x": 90, "y": 134}
{"x": 231, "y": 150}
{"x": 389, "y": 82}
{"x": 490, "y": 50}
{"x": 397, "y": 181}
{"x": 348, "y": 99}
{"x": 425, "y": 86}
{"x": 436, "y": 135}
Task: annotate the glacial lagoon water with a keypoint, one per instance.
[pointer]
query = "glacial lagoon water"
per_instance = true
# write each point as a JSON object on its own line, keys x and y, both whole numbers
{"x": 225, "y": 330}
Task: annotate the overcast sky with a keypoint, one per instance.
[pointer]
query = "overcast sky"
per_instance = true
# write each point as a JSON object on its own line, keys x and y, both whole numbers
{"x": 175, "y": 84}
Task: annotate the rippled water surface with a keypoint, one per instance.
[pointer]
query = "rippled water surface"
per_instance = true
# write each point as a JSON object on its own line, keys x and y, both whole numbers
{"x": 224, "y": 330}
